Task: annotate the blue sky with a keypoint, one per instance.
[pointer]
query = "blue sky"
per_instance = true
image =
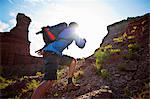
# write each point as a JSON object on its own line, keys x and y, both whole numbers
{"x": 122, "y": 7}
{"x": 93, "y": 17}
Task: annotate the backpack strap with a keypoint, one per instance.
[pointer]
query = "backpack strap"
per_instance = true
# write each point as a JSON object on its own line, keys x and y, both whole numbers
{"x": 51, "y": 35}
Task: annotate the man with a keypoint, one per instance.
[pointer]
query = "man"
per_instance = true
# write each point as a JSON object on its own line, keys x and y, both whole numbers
{"x": 53, "y": 58}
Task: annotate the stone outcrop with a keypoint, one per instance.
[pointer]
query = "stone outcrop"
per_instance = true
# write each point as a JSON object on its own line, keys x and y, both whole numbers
{"x": 15, "y": 50}
{"x": 129, "y": 67}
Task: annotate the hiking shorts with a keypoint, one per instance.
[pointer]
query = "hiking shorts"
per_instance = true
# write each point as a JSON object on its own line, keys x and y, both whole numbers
{"x": 52, "y": 62}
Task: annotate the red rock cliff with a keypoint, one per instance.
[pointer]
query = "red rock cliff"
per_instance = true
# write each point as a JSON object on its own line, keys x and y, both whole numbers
{"x": 15, "y": 50}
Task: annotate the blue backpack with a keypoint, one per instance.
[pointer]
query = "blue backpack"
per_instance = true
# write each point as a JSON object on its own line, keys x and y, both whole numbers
{"x": 50, "y": 33}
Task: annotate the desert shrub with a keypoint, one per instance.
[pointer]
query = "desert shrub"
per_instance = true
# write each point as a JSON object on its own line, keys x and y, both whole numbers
{"x": 118, "y": 40}
{"x": 39, "y": 74}
{"x": 109, "y": 46}
{"x": 112, "y": 51}
{"x": 5, "y": 82}
{"x": 131, "y": 37}
{"x": 56, "y": 94}
{"x": 147, "y": 85}
{"x": 132, "y": 52}
{"x": 124, "y": 35}
{"x": 3, "y": 85}
{"x": 104, "y": 73}
{"x": 101, "y": 55}
{"x": 145, "y": 92}
{"x": 81, "y": 61}
{"x": 98, "y": 68}
{"x": 60, "y": 73}
{"x": 133, "y": 47}
{"x": 31, "y": 85}
{"x": 2, "y": 79}
{"x": 144, "y": 95}
{"x": 16, "y": 88}
{"x": 78, "y": 75}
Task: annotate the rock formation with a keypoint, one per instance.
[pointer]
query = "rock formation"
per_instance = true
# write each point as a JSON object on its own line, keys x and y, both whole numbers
{"x": 129, "y": 67}
{"x": 15, "y": 50}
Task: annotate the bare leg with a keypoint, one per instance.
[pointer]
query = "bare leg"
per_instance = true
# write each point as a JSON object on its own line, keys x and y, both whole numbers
{"x": 71, "y": 85}
{"x": 71, "y": 68}
{"x": 42, "y": 88}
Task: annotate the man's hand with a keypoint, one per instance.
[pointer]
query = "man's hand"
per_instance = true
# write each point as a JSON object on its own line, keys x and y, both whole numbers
{"x": 39, "y": 52}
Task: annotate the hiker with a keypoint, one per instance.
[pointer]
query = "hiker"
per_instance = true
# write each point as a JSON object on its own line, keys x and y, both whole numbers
{"x": 53, "y": 57}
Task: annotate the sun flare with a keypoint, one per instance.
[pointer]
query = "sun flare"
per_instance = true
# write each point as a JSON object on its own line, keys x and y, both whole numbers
{"x": 92, "y": 20}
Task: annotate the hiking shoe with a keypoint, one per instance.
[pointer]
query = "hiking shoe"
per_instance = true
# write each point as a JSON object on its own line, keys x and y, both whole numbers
{"x": 73, "y": 87}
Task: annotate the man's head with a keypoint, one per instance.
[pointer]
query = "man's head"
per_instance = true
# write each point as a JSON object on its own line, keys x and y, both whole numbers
{"x": 73, "y": 24}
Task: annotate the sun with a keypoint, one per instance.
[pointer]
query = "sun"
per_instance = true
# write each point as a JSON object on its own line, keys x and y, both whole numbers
{"x": 92, "y": 19}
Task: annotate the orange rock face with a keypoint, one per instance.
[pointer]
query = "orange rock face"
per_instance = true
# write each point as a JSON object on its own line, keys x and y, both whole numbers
{"x": 15, "y": 50}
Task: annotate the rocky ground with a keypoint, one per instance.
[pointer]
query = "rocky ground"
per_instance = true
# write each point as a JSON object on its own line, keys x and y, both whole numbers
{"x": 92, "y": 85}
{"x": 127, "y": 45}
